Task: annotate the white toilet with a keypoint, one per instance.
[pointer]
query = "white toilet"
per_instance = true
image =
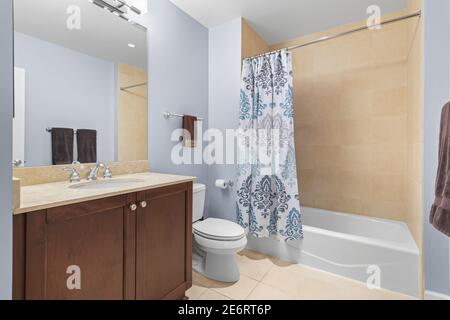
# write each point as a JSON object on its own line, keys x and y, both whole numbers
{"x": 216, "y": 242}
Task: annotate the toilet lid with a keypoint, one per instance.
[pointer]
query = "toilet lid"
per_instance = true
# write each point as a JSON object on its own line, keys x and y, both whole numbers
{"x": 219, "y": 229}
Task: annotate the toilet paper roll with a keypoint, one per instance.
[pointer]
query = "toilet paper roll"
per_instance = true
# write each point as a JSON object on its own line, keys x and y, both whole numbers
{"x": 221, "y": 184}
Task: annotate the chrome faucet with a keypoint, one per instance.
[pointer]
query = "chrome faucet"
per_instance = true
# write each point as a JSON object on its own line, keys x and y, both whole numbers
{"x": 93, "y": 173}
{"x": 18, "y": 163}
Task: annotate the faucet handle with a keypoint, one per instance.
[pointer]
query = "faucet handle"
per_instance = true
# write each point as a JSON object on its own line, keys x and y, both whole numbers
{"x": 17, "y": 163}
{"x": 92, "y": 175}
{"x": 78, "y": 165}
{"x": 74, "y": 175}
{"x": 108, "y": 173}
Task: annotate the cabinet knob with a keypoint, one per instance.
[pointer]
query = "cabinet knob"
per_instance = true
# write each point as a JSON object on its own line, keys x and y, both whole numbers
{"x": 133, "y": 207}
{"x": 143, "y": 204}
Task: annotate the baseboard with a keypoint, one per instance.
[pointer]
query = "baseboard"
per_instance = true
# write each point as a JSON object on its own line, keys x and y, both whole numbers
{"x": 431, "y": 295}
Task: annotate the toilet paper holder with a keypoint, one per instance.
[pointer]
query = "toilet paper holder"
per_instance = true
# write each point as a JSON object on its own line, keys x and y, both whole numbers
{"x": 229, "y": 183}
{"x": 224, "y": 184}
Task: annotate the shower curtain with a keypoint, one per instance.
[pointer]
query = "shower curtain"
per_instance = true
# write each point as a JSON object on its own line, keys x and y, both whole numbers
{"x": 267, "y": 196}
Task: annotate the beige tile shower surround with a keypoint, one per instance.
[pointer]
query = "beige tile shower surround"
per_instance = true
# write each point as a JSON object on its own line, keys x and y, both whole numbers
{"x": 252, "y": 43}
{"x": 354, "y": 120}
{"x": 415, "y": 131}
{"x": 351, "y": 100}
{"x": 359, "y": 119}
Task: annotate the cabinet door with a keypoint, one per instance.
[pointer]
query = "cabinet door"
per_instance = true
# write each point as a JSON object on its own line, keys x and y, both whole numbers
{"x": 77, "y": 251}
{"x": 163, "y": 246}
{"x": 19, "y": 237}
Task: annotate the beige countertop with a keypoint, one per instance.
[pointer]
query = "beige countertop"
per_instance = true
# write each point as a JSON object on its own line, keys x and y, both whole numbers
{"x": 51, "y": 195}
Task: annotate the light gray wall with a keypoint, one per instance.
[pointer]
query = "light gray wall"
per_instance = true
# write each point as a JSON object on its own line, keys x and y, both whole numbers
{"x": 437, "y": 86}
{"x": 224, "y": 88}
{"x": 65, "y": 88}
{"x": 178, "y": 81}
{"x": 6, "y": 109}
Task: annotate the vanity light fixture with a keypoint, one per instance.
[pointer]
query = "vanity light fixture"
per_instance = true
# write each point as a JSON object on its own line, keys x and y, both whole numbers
{"x": 124, "y": 4}
{"x": 119, "y": 8}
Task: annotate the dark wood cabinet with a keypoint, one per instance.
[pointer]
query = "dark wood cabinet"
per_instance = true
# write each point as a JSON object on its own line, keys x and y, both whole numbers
{"x": 160, "y": 244}
{"x": 135, "y": 246}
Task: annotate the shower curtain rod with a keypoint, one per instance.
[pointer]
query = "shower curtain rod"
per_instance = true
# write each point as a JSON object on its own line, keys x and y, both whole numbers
{"x": 133, "y": 86}
{"x": 326, "y": 38}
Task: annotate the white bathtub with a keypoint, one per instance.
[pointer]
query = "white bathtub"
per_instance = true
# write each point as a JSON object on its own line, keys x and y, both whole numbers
{"x": 350, "y": 245}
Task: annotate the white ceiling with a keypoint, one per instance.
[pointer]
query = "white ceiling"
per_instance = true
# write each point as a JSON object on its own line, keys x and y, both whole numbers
{"x": 102, "y": 34}
{"x": 280, "y": 20}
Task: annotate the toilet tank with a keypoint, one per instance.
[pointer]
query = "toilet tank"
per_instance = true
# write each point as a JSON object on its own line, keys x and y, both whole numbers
{"x": 198, "y": 201}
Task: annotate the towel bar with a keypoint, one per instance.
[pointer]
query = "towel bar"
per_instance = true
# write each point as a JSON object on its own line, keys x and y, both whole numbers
{"x": 50, "y": 130}
{"x": 168, "y": 115}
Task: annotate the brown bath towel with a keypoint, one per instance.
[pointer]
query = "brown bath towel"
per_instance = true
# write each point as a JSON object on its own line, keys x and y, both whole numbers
{"x": 62, "y": 146}
{"x": 87, "y": 146}
{"x": 189, "y": 126}
{"x": 440, "y": 212}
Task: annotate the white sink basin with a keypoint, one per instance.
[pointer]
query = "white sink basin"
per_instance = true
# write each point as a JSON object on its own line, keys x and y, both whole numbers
{"x": 106, "y": 184}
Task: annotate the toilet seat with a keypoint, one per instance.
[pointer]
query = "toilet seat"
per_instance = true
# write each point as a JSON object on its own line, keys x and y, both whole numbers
{"x": 218, "y": 230}
{"x": 220, "y": 247}
{"x": 216, "y": 242}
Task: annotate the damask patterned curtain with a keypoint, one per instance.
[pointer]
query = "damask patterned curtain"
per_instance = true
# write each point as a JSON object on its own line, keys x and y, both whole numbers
{"x": 267, "y": 197}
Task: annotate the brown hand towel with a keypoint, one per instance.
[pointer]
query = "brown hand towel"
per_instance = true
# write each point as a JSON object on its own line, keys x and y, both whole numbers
{"x": 62, "y": 146}
{"x": 87, "y": 146}
{"x": 190, "y": 128}
{"x": 440, "y": 212}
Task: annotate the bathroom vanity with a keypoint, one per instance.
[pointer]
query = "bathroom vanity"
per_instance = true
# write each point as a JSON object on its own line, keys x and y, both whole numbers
{"x": 128, "y": 241}
{"x": 126, "y": 233}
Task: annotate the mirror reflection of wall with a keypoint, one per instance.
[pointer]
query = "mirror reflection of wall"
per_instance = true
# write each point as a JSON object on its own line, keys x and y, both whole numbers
{"x": 19, "y": 117}
{"x": 132, "y": 114}
{"x": 73, "y": 78}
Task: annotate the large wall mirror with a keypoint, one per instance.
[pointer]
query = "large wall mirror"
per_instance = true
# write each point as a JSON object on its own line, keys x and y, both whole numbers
{"x": 80, "y": 82}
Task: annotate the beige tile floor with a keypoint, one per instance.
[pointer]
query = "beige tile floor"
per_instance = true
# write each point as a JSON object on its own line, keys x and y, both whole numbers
{"x": 267, "y": 278}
